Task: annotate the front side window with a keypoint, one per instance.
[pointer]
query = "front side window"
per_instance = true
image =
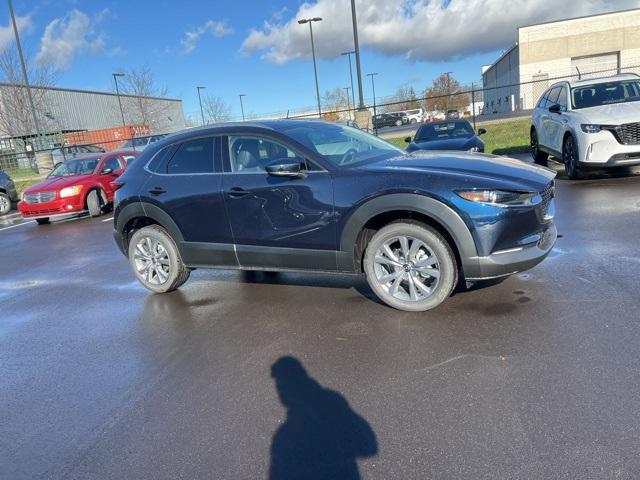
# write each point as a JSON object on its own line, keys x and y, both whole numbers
{"x": 194, "y": 156}
{"x": 562, "y": 99}
{"x": 113, "y": 164}
{"x": 342, "y": 145}
{"x": 249, "y": 154}
{"x": 605, "y": 93}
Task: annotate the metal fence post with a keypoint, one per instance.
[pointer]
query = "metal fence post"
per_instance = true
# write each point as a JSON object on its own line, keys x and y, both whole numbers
{"x": 473, "y": 105}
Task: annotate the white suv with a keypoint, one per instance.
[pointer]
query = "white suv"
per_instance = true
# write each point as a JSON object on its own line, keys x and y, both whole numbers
{"x": 589, "y": 123}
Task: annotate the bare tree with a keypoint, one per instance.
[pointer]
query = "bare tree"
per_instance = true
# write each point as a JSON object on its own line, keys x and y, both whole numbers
{"x": 445, "y": 94}
{"x": 16, "y": 117}
{"x": 334, "y": 104}
{"x": 140, "y": 104}
{"x": 216, "y": 109}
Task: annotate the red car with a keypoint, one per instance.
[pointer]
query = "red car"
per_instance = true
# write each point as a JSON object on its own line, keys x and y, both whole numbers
{"x": 79, "y": 185}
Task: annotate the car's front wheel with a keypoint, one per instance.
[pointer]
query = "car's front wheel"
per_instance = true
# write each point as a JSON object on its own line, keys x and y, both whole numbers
{"x": 410, "y": 266}
{"x": 539, "y": 156}
{"x": 570, "y": 158}
{"x": 398, "y": 123}
{"x": 155, "y": 260}
{"x": 5, "y": 204}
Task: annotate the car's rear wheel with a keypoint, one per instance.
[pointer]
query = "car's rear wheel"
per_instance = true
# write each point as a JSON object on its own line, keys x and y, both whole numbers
{"x": 398, "y": 123}
{"x": 410, "y": 266}
{"x": 539, "y": 156}
{"x": 5, "y": 204}
{"x": 570, "y": 158}
{"x": 43, "y": 221}
{"x": 155, "y": 260}
{"x": 94, "y": 203}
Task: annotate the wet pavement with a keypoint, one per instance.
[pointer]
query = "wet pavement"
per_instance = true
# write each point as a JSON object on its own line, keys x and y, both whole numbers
{"x": 534, "y": 377}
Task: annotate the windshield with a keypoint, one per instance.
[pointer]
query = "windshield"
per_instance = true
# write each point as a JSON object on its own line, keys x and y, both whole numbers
{"x": 342, "y": 145}
{"x": 75, "y": 167}
{"x": 135, "y": 142}
{"x": 443, "y": 131}
{"x": 605, "y": 93}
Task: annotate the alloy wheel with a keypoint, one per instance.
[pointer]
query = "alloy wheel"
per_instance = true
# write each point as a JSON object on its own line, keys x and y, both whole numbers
{"x": 152, "y": 261}
{"x": 5, "y": 204}
{"x": 406, "y": 268}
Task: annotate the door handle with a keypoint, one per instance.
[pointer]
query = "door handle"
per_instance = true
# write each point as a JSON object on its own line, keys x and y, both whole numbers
{"x": 157, "y": 191}
{"x": 237, "y": 192}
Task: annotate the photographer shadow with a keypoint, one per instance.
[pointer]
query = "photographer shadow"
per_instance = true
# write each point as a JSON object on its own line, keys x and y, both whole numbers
{"x": 322, "y": 436}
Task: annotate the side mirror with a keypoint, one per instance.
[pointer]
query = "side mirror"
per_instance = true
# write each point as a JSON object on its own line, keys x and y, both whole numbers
{"x": 408, "y": 139}
{"x": 107, "y": 171}
{"x": 286, "y": 167}
{"x": 555, "y": 108}
{"x": 482, "y": 131}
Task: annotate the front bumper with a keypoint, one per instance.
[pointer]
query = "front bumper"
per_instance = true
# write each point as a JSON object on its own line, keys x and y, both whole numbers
{"x": 57, "y": 207}
{"x": 508, "y": 262}
{"x": 602, "y": 149}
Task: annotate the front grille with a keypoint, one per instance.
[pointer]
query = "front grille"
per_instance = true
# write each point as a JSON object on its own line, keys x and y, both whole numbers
{"x": 40, "y": 197}
{"x": 44, "y": 211}
{"x": 627, "y": 134}
{"x": 547, "y": 196}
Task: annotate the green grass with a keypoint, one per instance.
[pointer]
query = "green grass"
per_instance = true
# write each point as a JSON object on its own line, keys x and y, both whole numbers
{"x": 502, "y": 138}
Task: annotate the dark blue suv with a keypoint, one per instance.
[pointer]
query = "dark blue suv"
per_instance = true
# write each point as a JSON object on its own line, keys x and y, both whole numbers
{"x": 309, "y": 195}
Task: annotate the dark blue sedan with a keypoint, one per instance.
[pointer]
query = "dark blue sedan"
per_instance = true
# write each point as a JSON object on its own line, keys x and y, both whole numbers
{"x": 310, "y": 195}
{"x": 447, "y": 135}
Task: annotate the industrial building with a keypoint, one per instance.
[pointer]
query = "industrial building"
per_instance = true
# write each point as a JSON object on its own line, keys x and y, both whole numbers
{"x": 597, "y": 45}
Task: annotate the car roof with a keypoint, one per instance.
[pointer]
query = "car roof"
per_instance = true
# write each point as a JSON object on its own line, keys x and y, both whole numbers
{"x": 592, "y": 81}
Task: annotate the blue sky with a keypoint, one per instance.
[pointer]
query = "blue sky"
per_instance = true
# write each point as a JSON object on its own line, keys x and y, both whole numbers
{"x": 256, "y": 47}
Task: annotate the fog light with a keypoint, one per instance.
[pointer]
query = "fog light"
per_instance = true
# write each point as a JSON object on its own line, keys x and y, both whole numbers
{"x": 69, "y": 207}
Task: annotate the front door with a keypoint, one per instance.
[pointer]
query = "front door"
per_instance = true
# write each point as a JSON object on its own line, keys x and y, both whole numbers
{"x": 278, "y": 222}
{"x": 111, "y": 169}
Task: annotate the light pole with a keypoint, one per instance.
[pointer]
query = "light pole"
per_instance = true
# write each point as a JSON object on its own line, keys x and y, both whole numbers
{"x": 241, "y": 105}
{"x": 200, "y": 100}
{"x": 348, "y": 104}
{"x": 25, "y": 77}
{"x": 115, "y": 80}
{"x": 313, "y": 54}
{"x": 353, "y": 93}
{"x": 357, "y": 51}
{"x": 373, "y": 87}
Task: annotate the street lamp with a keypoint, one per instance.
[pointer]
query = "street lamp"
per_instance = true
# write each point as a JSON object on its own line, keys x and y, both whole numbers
{"x": 115, "y": 80}
{"x": 313, "y": 54}
{"x": 200, "y": 100}
{"x": 353, "y": 97}
{"x": 348, "y": 104}
{"x": 241, "y": 105}
{"x": 356, "y": 45}
{"x": 373, "y": 87}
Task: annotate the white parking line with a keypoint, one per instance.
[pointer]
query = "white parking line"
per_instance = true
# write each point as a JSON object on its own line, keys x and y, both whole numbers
{"x": 14, "y": 226}
{"x": 107, "y": 219}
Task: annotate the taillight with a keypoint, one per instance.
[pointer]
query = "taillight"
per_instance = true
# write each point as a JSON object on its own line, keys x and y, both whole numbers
{"x": 116, "y": 184}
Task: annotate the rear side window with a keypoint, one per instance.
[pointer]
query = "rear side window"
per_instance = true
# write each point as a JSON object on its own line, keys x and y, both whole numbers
{"x": 159, "y": 160}
{"x": 195, "y": 156}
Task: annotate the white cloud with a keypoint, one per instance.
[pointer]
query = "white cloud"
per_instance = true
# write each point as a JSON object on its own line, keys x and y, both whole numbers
{"x": 6, "y": 31}
{"x": 72, "y": 35}
{"x": 420, "y": 30}
{"x": 192, "y": 37}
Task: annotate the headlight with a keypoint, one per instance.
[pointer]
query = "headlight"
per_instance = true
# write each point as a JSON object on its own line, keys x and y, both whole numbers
{"x": 474, "y": 149}
{"x": 590, "y": 128}
{"x": 500, "y": 198}
{"x": 70, "y": 191}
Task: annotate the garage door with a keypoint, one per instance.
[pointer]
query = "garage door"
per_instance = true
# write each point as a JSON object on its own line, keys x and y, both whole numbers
{"x": 596, "y": 65}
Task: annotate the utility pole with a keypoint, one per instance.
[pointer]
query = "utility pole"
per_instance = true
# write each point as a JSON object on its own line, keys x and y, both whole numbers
{"x": 115, "y": 80}
{"x": 313, "y": 54}
{"x": 353, "y": 93}
{"x": 25, "y": 77}
{"x": 200, "y": 100}
{"x": 373, "y": 87}
{"x": 357, "y": 52}
{"x": 348, "y": 104}
{"x": 241, "y": 105}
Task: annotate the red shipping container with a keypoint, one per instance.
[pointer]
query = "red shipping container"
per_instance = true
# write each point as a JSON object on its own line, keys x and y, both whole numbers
{"x": 107, "y": 138}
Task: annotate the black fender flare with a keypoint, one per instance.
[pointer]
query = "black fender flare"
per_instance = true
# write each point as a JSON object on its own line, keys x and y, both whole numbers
{"x": 148, "y": 210}
{"x": 430, "y": 207}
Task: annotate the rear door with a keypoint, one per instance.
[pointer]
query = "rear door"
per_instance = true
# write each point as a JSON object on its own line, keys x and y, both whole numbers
{"x": 278, "y": 222}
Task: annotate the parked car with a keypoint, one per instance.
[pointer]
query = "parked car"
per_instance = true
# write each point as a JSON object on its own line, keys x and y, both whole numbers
{"x": 388, "y": 120}
{"x": 310, "y": 195}
{"x": 8, "y": 194}
{"x": 62, "y": 154}
{"x": 82, "y": 184}
{"x": 589, "y": 123}
{"x": 139, "y": 144}
{"x": 452, "y": 115}
{"x": 447, "y": 135}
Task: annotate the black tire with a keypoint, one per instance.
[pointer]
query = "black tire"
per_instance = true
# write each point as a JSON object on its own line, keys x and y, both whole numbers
{"x": 539, "y": 157}
{"x": 5, "y": 204}
{"x": 435, "y": 246}
{"x": 413, "y": 120}
{"x": 570, "y": 157}
{"x": 94, "y": 203}
{"x": 176, "y": 271}
{"x": 43, "y": 221}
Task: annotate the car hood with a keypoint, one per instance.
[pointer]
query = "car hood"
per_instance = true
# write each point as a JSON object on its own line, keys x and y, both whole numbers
{"x": 57, "y": 183}
{"x": 614, "y": 114}
{"x": 471, "y": 166}
{"x": 461, "y": 143}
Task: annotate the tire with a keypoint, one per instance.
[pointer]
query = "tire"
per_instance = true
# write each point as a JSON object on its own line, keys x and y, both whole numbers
{"x": 398, "y": 123}
{"x": 401, "y": 273}
{"x": 94, "y": 203}
{"x": 539, "y": 157}
{"x": 5, "y": 204}
{"x": 43, "y": 221}
{"x": 151, "y": 251}
{"x": 570, "y": 158}
{"x": 413, "y": 120}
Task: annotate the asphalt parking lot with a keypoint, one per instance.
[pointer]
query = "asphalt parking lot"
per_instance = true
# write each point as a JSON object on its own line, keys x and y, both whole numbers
{"x": 251, "y": 375}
